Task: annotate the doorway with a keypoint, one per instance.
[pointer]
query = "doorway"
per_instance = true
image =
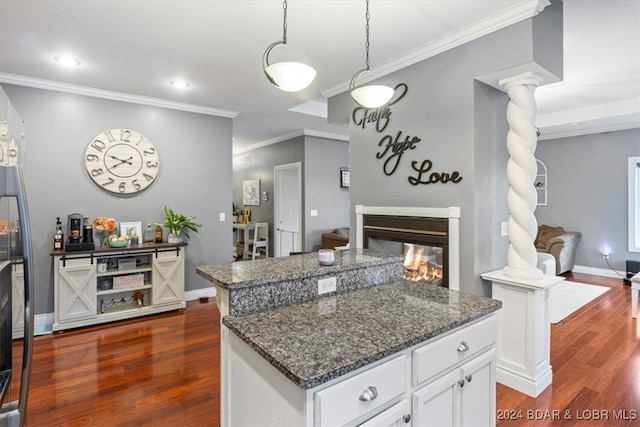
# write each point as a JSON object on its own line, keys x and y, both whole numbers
{"x": 287, "y": 184}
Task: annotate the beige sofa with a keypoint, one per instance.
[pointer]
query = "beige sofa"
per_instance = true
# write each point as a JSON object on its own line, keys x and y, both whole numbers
{"x": 559, "y": 243}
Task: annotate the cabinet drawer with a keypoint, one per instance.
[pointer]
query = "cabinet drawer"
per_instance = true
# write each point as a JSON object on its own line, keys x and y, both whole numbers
{"x": 342, "y": 402}
{"x": 438, "y": 356}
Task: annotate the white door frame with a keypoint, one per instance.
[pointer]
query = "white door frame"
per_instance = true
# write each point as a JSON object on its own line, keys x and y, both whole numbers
{"x": 279, "y": 198}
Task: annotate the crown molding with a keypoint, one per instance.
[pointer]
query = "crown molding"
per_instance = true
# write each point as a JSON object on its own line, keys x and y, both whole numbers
{"x": 519, "y": 12}
{"x": 588, "y": 130}
{"x": 15, "y": 79}
{"x": 285, "y": 137}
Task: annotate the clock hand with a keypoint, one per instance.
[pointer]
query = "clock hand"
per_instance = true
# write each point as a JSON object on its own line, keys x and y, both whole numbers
{"x": 121, "y": 162}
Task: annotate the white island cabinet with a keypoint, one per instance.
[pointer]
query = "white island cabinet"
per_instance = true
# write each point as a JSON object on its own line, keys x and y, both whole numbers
{"x": 448, "y": 380}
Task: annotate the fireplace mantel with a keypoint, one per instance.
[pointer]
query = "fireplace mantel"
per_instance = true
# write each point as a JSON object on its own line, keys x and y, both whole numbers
{"x": 452, "y": 213}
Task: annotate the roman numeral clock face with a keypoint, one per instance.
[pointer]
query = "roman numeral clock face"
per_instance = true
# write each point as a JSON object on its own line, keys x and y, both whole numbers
{"x": 122, "y": 161}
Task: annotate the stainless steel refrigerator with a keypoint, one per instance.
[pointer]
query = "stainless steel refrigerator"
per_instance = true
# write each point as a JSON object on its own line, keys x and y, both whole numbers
{"x": 16, "y": 271}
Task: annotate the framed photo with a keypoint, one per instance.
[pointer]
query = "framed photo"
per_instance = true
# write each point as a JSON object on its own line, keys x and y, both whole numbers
{"x": 344, "y": 177}
{"x": 130, "y": 229}
{"x": 251, "y": 192}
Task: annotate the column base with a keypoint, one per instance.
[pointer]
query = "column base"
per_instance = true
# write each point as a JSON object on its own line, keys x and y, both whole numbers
{"x": 524, "y": 331}
{"x": 529, "y": 386}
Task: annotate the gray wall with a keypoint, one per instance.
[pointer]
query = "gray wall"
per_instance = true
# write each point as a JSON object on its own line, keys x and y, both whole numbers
{"x": 322, "y": 191}
{"x": 195, "y": 175}
{"x": 321, "y": 159}
{"x": 588, "y": 192}
{"x": 462, "y": 127}
{"x": 263, "y": 160}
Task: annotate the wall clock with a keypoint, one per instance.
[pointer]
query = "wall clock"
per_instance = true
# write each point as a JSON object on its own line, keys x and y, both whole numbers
{"x": 122, "y": 161}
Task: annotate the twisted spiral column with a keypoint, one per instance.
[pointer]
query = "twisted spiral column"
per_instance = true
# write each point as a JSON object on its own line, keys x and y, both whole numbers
{"x": 522, "y": 258}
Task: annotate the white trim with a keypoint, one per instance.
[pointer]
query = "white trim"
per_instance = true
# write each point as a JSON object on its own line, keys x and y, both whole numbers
{"x": 112, "y": 95}
{"x": 452, "y": 213}
{"x": 200, "y": 293}
{"x": 519, "y": 12}
{"x": 285, "y": 137}
{"x": 634, "y": 204}
{"x": 604, "y": 272}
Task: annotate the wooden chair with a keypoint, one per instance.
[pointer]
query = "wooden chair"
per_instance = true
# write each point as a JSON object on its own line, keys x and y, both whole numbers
{"x": 257, "y": 237}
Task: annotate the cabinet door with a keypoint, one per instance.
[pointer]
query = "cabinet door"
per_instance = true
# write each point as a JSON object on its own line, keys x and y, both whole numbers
{"x": 478, "y": 396}
{"x": 17, "y": 300}
{"x": 396, "y": 416}
{"x": 76, "y": 289}
{"x": 168, "y": 277}
{"x": 436, "y": 404}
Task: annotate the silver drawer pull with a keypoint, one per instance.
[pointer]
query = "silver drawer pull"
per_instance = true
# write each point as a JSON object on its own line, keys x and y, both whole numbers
{"x": 368, "y": 394}
{"x": 463, "y": 347}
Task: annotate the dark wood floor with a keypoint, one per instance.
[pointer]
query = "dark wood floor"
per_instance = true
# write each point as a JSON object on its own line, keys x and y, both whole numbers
{"x": 595, "y": 357}
{"x": 163, "y": 370}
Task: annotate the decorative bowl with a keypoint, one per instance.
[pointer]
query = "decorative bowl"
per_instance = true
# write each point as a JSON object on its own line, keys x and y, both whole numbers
{"x": 118, "y": 243}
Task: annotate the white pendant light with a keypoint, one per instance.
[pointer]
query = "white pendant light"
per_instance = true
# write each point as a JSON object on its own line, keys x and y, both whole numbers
{"x": 288, "y": 76}
{"x": 372, "y": 96}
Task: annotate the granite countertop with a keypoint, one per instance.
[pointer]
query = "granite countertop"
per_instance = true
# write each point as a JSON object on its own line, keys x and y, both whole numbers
{"x": 242, "y": 274}
{"x": 319, "y": 340}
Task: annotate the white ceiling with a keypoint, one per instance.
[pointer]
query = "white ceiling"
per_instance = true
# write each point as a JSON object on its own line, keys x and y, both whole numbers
{"x": 132, "y": 49}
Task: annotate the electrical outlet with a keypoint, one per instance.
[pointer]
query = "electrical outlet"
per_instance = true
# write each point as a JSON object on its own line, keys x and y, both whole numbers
{"x": 504, "y": 228}
{"x": 605, "y": 255}
{"x": 326, "y": 285}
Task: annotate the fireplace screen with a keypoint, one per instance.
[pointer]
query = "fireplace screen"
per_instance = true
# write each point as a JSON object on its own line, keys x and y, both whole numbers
{"x": 422, "y": 241}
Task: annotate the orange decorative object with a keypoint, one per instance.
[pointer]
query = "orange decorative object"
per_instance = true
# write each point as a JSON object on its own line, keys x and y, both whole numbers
{"x": 103, "y": 224}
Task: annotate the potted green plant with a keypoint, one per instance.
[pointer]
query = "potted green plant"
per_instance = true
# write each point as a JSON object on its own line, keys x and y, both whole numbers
{"x": 237, "y": 213}
{"x": 178, "y": 225}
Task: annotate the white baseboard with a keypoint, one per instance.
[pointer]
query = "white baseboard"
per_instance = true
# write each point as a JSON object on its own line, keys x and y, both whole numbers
{"x": 204, "y": 292}
{"x": 42, "y": 323}
{"x": 605, "y": 272}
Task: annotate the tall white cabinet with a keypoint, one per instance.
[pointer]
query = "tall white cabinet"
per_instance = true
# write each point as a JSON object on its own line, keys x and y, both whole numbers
{"x": 113, "y": 284}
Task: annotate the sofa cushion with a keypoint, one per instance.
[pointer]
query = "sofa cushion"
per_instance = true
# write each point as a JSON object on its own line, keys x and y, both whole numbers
{"x": 546, "y": 233}
{"x": 342, "y": 231}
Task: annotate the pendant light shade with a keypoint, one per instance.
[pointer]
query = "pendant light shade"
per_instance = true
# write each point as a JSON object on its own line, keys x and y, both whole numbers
{"x": 372, "y": 96}
{"x": 287, "y": 76}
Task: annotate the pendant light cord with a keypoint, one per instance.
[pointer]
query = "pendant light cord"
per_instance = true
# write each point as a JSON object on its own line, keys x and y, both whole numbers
{"x": 367, "y": 17}
{"x": 284, "y": 22}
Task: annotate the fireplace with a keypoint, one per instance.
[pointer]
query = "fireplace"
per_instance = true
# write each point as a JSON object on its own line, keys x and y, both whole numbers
{"x": 426, "y": 237}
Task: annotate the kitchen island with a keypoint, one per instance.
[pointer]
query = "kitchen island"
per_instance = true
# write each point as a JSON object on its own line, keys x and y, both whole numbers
{"x": 395, "y": 353}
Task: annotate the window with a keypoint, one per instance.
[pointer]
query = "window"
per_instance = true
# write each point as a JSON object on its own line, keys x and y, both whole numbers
{"x": 634, "y": 204}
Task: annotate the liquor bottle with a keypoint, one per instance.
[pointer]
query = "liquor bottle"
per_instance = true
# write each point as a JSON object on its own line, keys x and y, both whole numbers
{"x": 149, "y": 235}
{"x": 58, "y": 237}
{"x": 158, "y": 234}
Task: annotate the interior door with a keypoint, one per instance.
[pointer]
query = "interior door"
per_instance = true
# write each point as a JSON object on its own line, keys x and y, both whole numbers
{"x": 288, "y": 208}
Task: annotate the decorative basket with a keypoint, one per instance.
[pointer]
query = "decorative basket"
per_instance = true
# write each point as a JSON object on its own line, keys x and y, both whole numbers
{"x": 118, "y": 243}
{"x": 129, "y": 281}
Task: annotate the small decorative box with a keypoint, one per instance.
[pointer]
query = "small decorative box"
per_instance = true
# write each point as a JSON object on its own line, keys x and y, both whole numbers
{"x": 127, "y": 263}
{"x": 129, "y": 281}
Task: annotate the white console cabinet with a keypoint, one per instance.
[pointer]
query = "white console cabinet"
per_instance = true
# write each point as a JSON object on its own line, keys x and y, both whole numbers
{"x": 446, "y": 381}
{"x": 111, "y": 284}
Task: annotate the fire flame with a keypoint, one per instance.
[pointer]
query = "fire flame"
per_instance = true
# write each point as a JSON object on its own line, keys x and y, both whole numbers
{"x": 417, "y": 266}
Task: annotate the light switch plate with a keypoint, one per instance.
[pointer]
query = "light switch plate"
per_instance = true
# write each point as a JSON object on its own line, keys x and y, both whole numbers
{"x": 222, "y": 216}
{"x": 504, "y": 228}
{"x": 314, "y": 212}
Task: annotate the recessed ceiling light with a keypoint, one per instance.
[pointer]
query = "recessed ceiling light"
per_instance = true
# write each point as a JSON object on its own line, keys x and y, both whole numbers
{"x": 575, "y": 123}
{"x": 67, "y": 61}
{"x": 180, "y": 84}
